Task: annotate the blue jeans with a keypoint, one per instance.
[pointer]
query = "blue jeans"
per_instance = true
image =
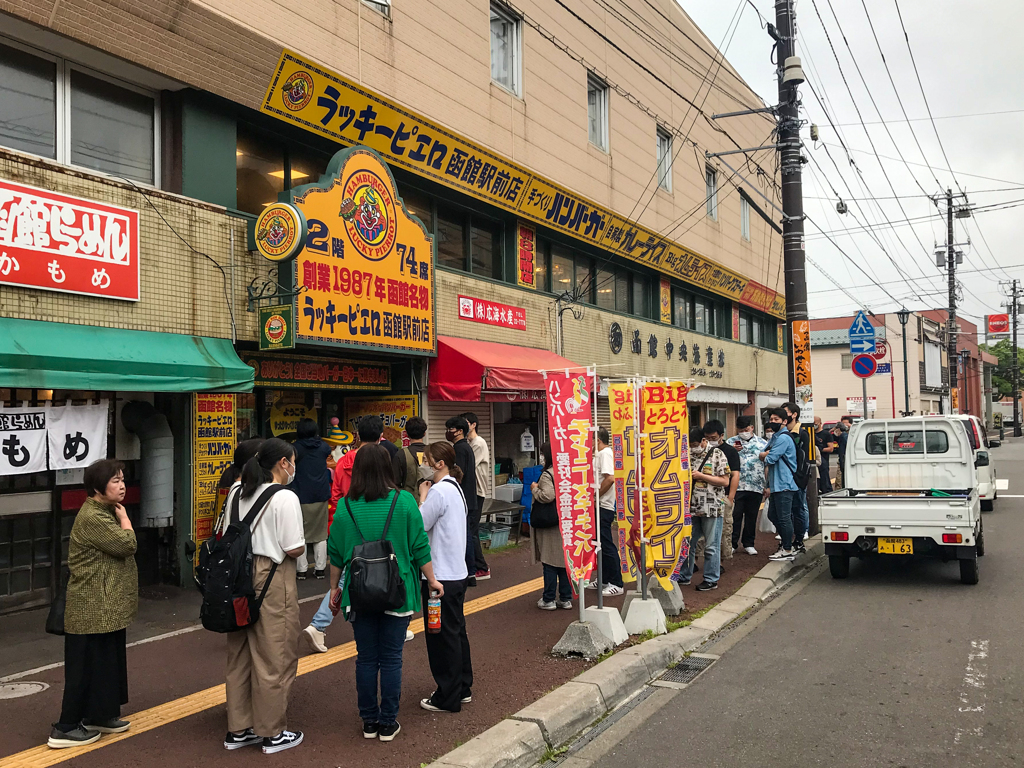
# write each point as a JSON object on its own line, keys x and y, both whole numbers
{"x": 801, "y": 516}
{"x": 380, "y": 638}
{"x": 559, "y": 577}
{"x": 323, "y": 617}
{"x": 711, "y": 529}
{"x": 781, "y": 509}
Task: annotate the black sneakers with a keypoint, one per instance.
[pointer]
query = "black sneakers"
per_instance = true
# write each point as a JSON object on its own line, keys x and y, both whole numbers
{"x": 107, "y": 726}
{"x": 77, "y": 737}
{"x": 389, "y": 731}
{"x": 370, "y": 730}
{"x": 246, "y": 738}
{"x": 707, "y": 586}
{"x": 284, "y": 740}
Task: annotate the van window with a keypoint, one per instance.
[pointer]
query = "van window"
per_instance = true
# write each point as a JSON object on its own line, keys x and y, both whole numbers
{"x": 906, "y": 442}
{"x": 968, "y": 428}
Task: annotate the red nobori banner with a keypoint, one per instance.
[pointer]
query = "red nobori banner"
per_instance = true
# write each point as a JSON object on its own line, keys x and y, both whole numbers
{"x": 492, "y": 313}
{"x": 572, "y": 448}
{"x": 59, "y": 243}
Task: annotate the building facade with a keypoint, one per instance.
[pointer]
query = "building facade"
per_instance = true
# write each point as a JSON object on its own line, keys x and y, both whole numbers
{"x": 554, "y": 158}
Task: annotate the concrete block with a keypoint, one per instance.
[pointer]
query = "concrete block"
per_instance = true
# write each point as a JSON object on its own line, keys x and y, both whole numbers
{"x": 645, "y": 615}
{"x": 737, "y": 604}
{"x": 714, "y": 620}
{"x": 657, "y": 655}
{"x": 608, "y": 622}
{"x": 565, "y": 711}
{"x": 509, "y": 744}
{"x": 581, "y": 638}
{"x": 671, "y": 600}
{"x": 756, "y": 588}
{"x": 686, "y": 638}
{"x": 617, "y": 678}
{"x": 775, "y": 571}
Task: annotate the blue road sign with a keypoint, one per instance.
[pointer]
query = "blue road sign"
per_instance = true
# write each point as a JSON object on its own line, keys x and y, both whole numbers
{"x": 864, "y": 366}
{"x": 862, "y": 335}
{"x": 884, "y": 368}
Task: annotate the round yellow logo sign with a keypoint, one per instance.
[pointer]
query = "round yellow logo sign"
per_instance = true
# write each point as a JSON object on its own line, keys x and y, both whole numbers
{"x": 280, "y": 232}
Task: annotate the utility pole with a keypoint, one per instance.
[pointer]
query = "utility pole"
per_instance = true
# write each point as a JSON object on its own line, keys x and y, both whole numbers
{"x": 1014, "y": 308}
{"x": 951, "y": 352}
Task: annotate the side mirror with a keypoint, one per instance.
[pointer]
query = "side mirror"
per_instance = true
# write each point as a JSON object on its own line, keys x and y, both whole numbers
{"x": 982, "y": 460}
{"x": 994, "y": 443}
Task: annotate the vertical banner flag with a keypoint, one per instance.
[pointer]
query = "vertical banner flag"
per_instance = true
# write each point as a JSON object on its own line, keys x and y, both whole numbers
{"x": 802, "y": 369}
{"x": 213, "y": 447}
{"x": 22, "y": 440}
{"x": 623, "y": 434}
{"x": 526, "y": 237}
{"x": 666, "y": 476}
{"x": 665, "y": 300}
{"x": 77, "y": 435}
{"x": 572, "y": 443}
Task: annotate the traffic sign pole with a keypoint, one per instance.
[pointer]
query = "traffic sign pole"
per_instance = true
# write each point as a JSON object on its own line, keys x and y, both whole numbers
{"x": 864, "y": 389}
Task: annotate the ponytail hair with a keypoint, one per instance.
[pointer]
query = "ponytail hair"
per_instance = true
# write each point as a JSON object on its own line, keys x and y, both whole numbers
{"x": 443, "y": 451}
{"x": 257, "y": 470}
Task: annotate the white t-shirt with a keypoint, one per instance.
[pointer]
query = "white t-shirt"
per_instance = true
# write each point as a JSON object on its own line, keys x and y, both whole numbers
{"x": 444, "y": 518}
{"x": 606, "y": 468}
{"x": 278, "y": 529}
{"x": 484, "y": 470}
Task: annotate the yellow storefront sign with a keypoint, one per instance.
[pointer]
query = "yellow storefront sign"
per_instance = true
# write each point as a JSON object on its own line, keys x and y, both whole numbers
{"x": 366, "y": 275}
{"x": 323, "y": 102}
{"x": 213, "y": 446}
{"x": 394, "y": 411}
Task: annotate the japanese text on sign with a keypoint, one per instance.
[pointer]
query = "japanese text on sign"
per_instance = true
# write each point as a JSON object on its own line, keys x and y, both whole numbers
{"x": 492, "y": 313}
{"x": 569, "y": 422}
{"x": 802, "y": 369}
{"x": 666, "y": 477}
{"x": 368, "y": 266}
{"x": 526, "y": 261}
{"x": 60, "y": 243}
{"x": 296, "y": 372}
{"x": 394, "y": 411}
{"x": 623, "y": 435}
{"x": 213, "y": 447}
{"x": 320, "y": 101}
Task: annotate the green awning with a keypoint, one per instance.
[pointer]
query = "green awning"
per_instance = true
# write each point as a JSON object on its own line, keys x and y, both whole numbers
{"x": 42, "y": 355}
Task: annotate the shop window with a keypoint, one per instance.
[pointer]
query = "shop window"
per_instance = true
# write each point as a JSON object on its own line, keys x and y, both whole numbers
{"x": 103, "y": 125}
{"x": 664, "y": 154}
{"x": 641, "y": 296}
{"x": 542, "y": 265}
{"x": 383, "y": 7}
{"x": 769, "y": 334}
{"x": 420, "y": 205}
{"x": 506, "y": 48}
{"x": 597, "y": 112}
{"x": 682, "y": 309}
{"x": 718, "y": 414}
{"x": 259, "y": 170}
{"x": 622, "y": 292}
{"x": 305, "y": 166}
{"x": 831, "y": 402}
{"x": 701, "y": 319}
{"x": 745, "y": 329}
{"x": 605, "y": 288}
{"x": 561, "y": 269}
{"x": 584, "y": 283}
{"x": 485, "y": 248}
{"x": 723, "y": 321}
{"x": 451, "y": 239}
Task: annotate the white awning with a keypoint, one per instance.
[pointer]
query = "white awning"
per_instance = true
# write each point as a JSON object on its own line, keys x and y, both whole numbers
{"x": 718, "y": 396}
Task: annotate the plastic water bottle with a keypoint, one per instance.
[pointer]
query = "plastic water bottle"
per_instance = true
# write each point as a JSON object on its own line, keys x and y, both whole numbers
{"x": 433, "y": 613}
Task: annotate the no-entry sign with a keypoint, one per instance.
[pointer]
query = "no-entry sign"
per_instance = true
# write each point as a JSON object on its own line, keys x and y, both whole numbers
{"x": 864, "y": 366}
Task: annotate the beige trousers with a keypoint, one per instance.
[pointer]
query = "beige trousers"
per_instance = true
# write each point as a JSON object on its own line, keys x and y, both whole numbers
{"x": 726, "y": 543}
{"x": 262, "y": 660}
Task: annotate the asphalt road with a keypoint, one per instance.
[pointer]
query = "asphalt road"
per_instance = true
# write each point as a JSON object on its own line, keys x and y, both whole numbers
{"x": 897, "y": 666}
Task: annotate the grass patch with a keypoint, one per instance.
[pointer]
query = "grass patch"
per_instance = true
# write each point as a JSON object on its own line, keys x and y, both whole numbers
{"x": 606, "y": 655}
{"x": 552, "y": 754}
{"x": 505, "y": 548}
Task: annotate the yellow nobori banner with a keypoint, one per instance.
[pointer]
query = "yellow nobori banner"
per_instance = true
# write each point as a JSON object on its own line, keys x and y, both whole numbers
{"x": 623, "y": 435}
{"x": 318, "y": 100}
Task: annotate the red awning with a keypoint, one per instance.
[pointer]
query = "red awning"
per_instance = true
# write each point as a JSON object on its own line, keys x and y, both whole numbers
{"x": 467, "y": 371}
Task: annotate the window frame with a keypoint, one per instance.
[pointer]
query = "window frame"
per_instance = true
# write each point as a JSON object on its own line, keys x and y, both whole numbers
{"x": 516, "y": 47}
{"x": 62, "y": 118}
{"x": 375, "y": 5}
{"x": 744, "y": 218}
{"x": 596, "y": 83}
{"x": 711, "y": 192}
{"x": 664, "y": 173}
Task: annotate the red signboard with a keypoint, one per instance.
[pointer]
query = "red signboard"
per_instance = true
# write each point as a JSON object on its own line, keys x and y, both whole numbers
{"x": 998, "y": 323}
{"x": 572, "y": 447}
{"x": 527, "y": 237}
{"x": 492, "y": 313}
{"x": 58, "y": 243}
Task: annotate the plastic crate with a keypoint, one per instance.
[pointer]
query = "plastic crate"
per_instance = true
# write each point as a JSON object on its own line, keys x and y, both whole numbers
{"x": 493, "y": 535}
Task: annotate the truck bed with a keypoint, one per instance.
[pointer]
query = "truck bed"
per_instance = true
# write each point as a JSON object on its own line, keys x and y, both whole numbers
{"x": 887, "y": 508}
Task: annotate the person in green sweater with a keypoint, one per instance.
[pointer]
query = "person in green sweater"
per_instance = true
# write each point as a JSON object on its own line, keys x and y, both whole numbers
{"x": 380, "y": 637}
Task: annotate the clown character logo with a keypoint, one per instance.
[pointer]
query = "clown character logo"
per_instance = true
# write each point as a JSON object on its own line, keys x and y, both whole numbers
{"x": 297, "y": 91}
{"x": 276, "y": 328}
{"x": 579, "y": 396}
{"x": 368, "y": 210}
{"x": 278, "y": 234}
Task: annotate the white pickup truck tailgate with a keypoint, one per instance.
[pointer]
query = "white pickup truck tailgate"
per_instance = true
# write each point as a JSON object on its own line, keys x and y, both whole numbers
{"x": 884, "y": 511}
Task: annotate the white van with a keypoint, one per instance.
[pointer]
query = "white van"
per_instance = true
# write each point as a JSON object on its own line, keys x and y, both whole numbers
{"x": 977, "y": 436}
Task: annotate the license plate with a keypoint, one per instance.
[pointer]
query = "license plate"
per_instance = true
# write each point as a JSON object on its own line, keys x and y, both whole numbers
{"x": 895, "y": 546}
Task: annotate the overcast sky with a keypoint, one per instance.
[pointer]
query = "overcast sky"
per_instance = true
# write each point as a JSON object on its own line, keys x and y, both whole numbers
{"x": 970, "y": 60}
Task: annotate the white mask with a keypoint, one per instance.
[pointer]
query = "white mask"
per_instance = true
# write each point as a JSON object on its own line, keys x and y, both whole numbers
{"x": 745, "y": 436}
{"x": 291, "y": 478}
{"x": 713, "y": 443}
{"x": 426, "y": 472}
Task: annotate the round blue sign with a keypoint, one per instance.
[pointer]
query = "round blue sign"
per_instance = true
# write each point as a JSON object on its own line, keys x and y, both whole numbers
{"x": 864, "y": 366}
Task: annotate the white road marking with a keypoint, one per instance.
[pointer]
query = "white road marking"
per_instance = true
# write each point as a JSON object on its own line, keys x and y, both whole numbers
{"x": 1002, "y": 484}
{"x": 972, "y": 694}
{"x": 1012, "y": 496}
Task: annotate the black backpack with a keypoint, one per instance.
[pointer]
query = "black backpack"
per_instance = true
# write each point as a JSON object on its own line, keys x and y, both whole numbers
{"x": 544, "y": 514}
{"x": 224, "y": 574}
{"x": 375, "y": 584}
{"x": 802, "y": 470}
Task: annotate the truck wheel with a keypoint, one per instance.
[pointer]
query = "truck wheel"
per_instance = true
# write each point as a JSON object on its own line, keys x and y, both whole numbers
{"x": 839, "y": 566}
{"x": 987, "y": 504}
{"x": 969, "y": 571}
{"x": 979, "y": 543}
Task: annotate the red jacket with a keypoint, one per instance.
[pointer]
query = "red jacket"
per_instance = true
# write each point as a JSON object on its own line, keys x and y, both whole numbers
{"x": 342, "y": 482}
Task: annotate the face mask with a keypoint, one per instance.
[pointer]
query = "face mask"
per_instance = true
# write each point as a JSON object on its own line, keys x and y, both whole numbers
{"x": 713, "y": 443}
{"x": 744, "y": 436}
{"x": 449, "y": 435}
{"x": 426, "y": 472}
{"x": 291, "y": 477}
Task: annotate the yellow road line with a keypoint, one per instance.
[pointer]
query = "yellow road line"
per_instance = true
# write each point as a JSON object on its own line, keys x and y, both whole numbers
{"x": 168, "y": 712}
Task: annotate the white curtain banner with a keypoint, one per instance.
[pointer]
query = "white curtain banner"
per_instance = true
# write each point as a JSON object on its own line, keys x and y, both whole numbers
{"x": 77, "y": 435}
{"x": 22, "y": 440}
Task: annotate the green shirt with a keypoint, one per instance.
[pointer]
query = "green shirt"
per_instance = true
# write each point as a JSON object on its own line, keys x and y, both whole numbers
{"x": 406, "y": 534}
{"x": 103, "y": 591}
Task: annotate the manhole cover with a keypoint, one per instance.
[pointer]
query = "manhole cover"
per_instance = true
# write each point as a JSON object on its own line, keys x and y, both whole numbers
{"x": 687, "y": 669}
{"x": 17, "y": 690}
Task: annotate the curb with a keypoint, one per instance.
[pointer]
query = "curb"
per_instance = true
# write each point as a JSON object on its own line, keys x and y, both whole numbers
{"x": 555, "y": 719}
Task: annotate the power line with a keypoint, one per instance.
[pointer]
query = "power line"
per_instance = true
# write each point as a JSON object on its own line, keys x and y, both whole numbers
{"x": 941, "y": 117}
{"x": 924, "y": 165}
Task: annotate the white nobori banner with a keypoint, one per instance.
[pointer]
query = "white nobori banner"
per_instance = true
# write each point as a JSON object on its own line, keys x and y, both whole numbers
{"x": 77, "y": 435}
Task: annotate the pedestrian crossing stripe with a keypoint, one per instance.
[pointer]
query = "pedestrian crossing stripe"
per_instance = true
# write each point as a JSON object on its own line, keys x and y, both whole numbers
{"x": 186, "y": 706}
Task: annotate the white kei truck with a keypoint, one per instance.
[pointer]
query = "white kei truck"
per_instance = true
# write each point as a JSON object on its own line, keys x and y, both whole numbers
{"x": 911, "y": 491}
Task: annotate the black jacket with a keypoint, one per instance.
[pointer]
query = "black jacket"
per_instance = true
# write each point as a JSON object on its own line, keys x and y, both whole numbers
{"x": 465, "y": 460}
{"x": 312, "y": 477}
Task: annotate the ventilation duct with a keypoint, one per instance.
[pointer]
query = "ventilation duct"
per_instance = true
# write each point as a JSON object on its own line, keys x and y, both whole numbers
{"x": 156, "y": 463}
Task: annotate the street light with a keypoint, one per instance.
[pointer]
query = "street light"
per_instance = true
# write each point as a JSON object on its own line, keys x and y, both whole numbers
{"x": 904, "y": 317}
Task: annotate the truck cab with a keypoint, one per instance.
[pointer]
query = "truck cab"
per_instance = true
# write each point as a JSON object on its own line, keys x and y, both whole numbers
{"x": 911, "y": 491}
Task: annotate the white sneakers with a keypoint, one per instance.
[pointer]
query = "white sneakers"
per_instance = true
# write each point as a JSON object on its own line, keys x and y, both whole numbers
{"x": 783, "y": 554}
{"x": 750, "y": 550}
{"x": 315, "y": 639}
{"x": 612, "y": 590}
{"x": 409, "y": 635}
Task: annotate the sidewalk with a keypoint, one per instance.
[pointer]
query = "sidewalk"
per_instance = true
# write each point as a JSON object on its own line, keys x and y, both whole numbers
{"x": 176, "y": 687}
